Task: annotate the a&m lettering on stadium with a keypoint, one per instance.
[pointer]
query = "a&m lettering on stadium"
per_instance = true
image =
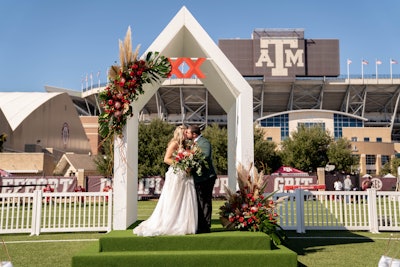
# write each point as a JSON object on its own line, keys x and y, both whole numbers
{"x": 287, "y": 55}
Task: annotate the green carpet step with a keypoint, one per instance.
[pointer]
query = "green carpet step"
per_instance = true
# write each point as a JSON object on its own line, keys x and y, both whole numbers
{"x": 278, "y": 257}
{"x": 227, "y": 240}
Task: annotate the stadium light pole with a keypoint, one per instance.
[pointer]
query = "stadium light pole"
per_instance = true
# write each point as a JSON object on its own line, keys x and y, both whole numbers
{"x": 348, "y": 69}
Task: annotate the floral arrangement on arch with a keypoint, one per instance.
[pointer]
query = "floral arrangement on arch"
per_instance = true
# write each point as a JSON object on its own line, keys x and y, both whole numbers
{"x": 249, "y": 209}
{"x": 190, "y": 159}
{"x": 126, "y": 83}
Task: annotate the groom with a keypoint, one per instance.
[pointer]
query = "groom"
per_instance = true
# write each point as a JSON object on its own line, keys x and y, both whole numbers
{"x": 204, "y": 184}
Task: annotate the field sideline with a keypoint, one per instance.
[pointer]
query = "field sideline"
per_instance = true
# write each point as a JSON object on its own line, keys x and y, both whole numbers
{"x": 315, "y": 248}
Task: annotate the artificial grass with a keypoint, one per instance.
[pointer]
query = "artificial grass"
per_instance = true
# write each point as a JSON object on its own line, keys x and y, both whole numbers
{"x": 122, "y": 248}
{"x": 228, "y": 240}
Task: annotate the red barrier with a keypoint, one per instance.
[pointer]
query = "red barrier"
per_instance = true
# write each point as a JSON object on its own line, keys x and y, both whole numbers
{"x": 307, "y": 187}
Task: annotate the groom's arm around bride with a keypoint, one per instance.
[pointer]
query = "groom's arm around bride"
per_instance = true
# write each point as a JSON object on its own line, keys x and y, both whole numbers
{"x": 204, "y": 183}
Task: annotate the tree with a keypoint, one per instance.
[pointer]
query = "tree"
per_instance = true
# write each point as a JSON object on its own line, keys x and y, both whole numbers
{"x": 105, "y": 160}
{"x": 218, "y": 137}
{"x": 391, "y": 167}
{"x": 339, "y": 154}
{"x": 266, "y": 156}
{"x": 153, "y": 141}
{"x": 307, "y": 148}
{"x": 3, "y": 139}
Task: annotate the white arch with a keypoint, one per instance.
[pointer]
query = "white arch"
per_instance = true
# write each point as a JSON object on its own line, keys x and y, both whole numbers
{"x": 184, "y": 37}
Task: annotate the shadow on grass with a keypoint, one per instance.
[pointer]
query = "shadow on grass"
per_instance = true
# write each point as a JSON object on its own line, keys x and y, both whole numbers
{"x": 216, "y": 226}
{"x": 311, "y": 241}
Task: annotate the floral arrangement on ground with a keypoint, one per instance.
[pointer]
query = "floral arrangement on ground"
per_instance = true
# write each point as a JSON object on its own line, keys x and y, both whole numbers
{"x": 191, "y": 159}
{"x": 126, "y": 83}
{"x": 249, "y": 210}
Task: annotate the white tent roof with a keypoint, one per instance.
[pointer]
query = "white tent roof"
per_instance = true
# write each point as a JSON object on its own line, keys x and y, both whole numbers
{"x": 389, "y": 175}
{"x": 26, "y": 103}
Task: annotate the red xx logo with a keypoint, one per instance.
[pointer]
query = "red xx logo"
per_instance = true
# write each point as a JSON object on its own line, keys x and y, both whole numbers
{"x": 194, "y": 67}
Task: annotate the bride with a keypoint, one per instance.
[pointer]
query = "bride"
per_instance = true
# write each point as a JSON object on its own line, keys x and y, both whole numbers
{"x": 176, "y": 210}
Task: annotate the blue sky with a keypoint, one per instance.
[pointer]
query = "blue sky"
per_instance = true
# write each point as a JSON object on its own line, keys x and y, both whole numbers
{"x": 58, "y": 43}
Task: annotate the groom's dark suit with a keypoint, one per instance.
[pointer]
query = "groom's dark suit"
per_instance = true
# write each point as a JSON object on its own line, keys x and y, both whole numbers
{"x": 204, "y": 185}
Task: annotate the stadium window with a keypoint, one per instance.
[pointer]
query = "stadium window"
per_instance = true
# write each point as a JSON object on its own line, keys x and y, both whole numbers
{"x": 379, "y": 139}
{"x": 269, "y": 138}
{"x": 366, "y": 139}
{"x": 370, "y": 159}
{"x": 354, "y": 139}
{"x": 385, "y": 159}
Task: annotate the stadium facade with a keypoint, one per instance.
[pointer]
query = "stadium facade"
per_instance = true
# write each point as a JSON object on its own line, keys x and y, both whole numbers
{"x": 295, "y": 81}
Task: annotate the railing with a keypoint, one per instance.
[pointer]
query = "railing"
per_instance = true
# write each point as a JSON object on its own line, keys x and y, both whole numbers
{"x": 55, "y": 212}
{"x": 300, "y": 210}
{"x": 369, "y": 210}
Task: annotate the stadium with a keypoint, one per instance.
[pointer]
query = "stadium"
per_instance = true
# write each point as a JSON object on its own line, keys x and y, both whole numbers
{"x": 294, "y": 81}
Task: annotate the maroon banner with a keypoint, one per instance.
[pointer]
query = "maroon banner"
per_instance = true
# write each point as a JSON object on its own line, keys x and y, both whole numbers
{"x": 151, "y": 187}
{"x": 24, "y": 184}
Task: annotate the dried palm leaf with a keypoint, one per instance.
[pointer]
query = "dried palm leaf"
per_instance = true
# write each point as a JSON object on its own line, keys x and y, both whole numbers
{"x": 121, "y": 54}
{"x": 244, "y": 178}
{"x": 136, "y": 53}
{"x": 127, "y": 47}
{"x": 113, "y": 72}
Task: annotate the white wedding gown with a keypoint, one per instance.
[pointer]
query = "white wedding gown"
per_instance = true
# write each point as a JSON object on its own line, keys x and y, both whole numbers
{"x": 176, "y": 210}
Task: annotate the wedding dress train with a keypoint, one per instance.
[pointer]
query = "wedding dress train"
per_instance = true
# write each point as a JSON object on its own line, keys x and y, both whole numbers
{"x": 176, "y": 210}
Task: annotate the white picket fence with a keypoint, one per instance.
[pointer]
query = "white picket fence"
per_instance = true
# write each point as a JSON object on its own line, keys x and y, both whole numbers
{"x": 39, "y": 212}
{"x": 369, "y": 210}
{"x": 301, "y": 210}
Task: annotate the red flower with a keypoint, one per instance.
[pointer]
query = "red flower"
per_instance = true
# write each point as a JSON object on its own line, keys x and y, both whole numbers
{"x": 117, "y": 105}
{"x": 253, "y": 209}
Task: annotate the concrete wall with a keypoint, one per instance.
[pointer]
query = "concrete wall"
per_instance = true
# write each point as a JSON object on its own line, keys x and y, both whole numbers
{"x": 28, "y": 163}
{"x": 91, "y": 126}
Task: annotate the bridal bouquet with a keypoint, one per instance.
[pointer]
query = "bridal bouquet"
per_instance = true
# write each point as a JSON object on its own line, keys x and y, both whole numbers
{"x": 189, "y": 159}
{"x": 248, "y": 209}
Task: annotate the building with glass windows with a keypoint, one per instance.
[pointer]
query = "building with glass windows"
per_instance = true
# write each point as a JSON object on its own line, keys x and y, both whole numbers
{"x": 295, "y": 81}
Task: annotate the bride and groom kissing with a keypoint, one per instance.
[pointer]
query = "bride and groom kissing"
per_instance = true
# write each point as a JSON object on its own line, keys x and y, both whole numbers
{"x": 185, "y": 203}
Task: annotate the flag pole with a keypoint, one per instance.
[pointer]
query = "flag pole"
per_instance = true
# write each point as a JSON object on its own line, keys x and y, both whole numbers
{"x": 376, "y": 69}
{"x": 348, "y": 69}
{"x": 391, "y": 73}
{"x": 362, "y": 70}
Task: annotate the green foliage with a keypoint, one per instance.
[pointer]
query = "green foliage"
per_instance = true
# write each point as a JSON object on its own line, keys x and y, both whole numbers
{"x": 391, "y": 167}
{"x": 339, "y": 154}
{"x": 3, "y": 139}
{"x": 306, "y": 149}
{"x": 266, "y": 156}
{"x": 218, "y": 138}
{"x": 153, "y": 141}
{"x": 105, "y": 160}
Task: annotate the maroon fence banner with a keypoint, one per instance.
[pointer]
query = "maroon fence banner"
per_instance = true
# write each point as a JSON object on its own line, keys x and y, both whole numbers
{"x": 151, "y": 187}
{"x": 25, "y": 184}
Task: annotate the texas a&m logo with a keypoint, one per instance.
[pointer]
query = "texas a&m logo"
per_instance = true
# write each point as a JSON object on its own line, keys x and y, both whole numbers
{"x": 287, "y": 54}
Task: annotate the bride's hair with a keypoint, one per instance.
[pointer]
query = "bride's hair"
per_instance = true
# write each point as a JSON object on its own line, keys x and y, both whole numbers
{"x": 179, "y": 135}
